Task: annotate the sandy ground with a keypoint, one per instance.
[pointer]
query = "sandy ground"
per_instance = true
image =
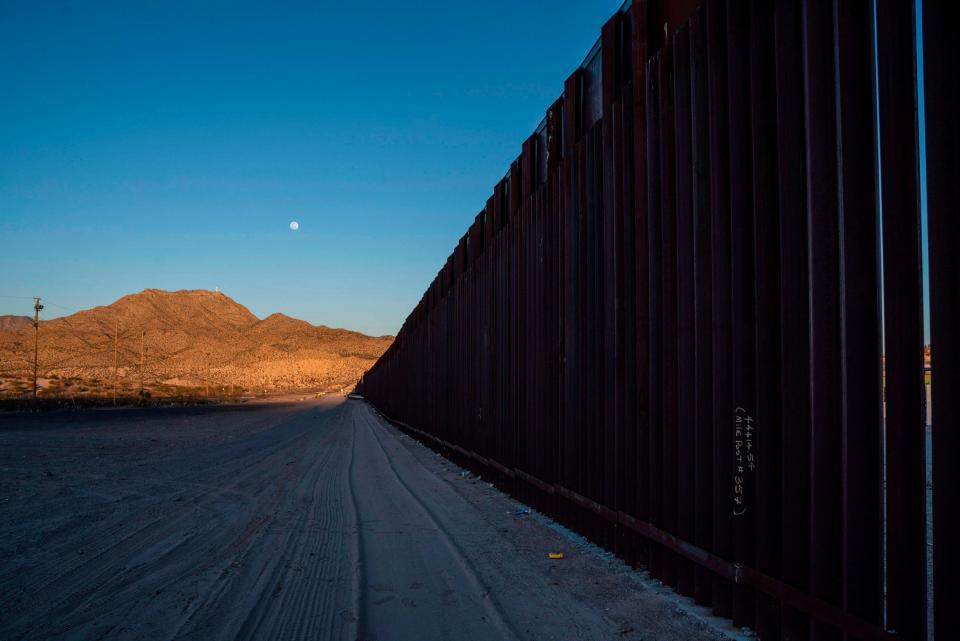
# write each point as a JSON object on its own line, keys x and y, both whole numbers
{"x": 296, "y": 520}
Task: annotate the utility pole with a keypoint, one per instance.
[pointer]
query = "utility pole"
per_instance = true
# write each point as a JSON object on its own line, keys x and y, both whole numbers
{"x": 116, "y": 352}
{"x": 141, "y": 362}
{"x": 36, "y": 340}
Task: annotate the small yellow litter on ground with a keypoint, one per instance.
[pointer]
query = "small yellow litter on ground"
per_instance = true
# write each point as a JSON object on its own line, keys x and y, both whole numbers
{"x": 555, "y": 555}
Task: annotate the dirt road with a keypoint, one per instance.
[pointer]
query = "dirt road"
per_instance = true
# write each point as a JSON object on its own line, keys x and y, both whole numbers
{"x": 308, "y": 520}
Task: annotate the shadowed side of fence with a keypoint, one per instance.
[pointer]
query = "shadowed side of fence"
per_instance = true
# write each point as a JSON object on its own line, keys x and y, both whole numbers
{"x": 688, "y": 322}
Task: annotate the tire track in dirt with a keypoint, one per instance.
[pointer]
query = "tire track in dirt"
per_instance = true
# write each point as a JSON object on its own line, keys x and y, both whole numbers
{"x": 440, "y": 558}
{"x": 307, "y": 541}
{"x": 288, "y": 582}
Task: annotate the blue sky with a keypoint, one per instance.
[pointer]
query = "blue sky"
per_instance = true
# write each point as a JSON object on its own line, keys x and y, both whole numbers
{"x": 169, "y": 144}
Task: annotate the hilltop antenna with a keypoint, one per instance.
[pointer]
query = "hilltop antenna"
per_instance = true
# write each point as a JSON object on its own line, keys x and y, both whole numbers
{"x": 36, "y": 340}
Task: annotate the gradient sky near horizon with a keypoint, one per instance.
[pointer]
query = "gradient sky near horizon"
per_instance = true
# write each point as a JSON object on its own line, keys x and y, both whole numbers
{"x": 170, "y": 144}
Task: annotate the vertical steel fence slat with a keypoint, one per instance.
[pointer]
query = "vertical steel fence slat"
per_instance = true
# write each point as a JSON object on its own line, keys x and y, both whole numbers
{"x": 703, "y": 301}
{"x": 741, "y": 416}
{"x": 826, "y": 564}
{"x": 720, "y": 286}
{"x": 641, "y": 389}
{"x": 668, "y": 309}
{"x": 903, "y": 320}
{"x": 860, "y": 300}
{"x": 766, "y": 233}
{"x": 629, "y": 464}
{"x": 609, "y": 282}
{"x": 940, "y": 60}
{"x": 794, "y": 312}
{"x": 655, "y": 340}
{"x": 683, "y": 229}
{"x": 592, "y": 416}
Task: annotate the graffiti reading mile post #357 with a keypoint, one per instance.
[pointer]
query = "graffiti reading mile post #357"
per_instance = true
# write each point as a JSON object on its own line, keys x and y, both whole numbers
{"x": 744, "y": 459}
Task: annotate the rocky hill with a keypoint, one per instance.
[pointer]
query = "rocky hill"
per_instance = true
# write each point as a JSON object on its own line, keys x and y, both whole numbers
{"x": 192, "y": 339}
{"x": 12, "y": 323}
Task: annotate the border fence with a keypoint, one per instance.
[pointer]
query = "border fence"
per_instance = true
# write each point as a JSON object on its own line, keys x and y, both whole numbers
{"x": 689, "y": 321}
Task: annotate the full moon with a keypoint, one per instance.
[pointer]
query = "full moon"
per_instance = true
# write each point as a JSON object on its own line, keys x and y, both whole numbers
{"x": 294, "y": 225}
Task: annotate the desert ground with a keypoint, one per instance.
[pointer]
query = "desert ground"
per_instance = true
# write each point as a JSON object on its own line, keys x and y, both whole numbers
{"x": 287, "y": 520}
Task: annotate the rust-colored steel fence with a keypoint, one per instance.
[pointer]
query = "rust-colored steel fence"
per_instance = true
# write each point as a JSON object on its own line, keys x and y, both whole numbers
{"x": 688, "y": 322}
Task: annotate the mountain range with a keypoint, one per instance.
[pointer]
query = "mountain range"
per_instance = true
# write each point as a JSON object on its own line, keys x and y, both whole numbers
{"x": 9, "y": 323}
{"x": 190, "y": 339}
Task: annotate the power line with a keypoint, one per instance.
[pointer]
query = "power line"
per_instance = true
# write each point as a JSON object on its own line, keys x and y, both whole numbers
{"x": 66, "y": 309}
{"x": 48, "y": 303}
